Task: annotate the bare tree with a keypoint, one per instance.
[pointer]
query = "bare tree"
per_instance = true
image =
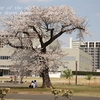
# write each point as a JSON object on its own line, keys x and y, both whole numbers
{"x": 44, "y": 25}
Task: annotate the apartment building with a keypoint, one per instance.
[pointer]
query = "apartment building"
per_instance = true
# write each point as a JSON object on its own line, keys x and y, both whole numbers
{"x": 90, "y": 47}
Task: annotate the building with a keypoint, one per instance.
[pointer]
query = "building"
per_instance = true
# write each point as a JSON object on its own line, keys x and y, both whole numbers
{"x": 5, "y": 61}
{"x": 84, "y": 61}
{"x": 75, "y": 44}
{"x": 71, "y": 56}
{"x": 90, "y": 47}
{"x": 5, "y": 53}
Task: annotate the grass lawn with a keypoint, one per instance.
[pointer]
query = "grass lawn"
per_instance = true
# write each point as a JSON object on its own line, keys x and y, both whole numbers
{"x": 78, "y": 90}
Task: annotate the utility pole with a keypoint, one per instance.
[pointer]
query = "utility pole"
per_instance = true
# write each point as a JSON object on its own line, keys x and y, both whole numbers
{"x": 76, "y": 73}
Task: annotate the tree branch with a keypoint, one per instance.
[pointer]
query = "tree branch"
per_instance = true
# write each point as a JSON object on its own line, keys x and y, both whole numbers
{"x": 59, "y": 34}
{"x": 39, "y": 36}
{"x": 31, "y": 44}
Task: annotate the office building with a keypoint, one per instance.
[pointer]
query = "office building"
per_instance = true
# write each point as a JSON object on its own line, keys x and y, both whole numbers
{"x": 73, "y": 55}
{"x": 90, "y": 47}
{"x": 82, "y": 58}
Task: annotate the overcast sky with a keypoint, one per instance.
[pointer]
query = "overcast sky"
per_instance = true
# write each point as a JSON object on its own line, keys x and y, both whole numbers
{"x": 84, "y": 8}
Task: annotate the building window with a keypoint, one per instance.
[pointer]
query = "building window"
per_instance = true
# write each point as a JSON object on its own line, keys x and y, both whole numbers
{"x": 5, "y": 66}
{"x": 65, "y": 66}
{"x": 4, "y": 57}
{"x": 70, "y": 58}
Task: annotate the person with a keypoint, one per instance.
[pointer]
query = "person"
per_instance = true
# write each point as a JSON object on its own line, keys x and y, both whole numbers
{"x": 11, "y": 78}
{"x": 36, "y": 85}
{"x": 32, "y": 85}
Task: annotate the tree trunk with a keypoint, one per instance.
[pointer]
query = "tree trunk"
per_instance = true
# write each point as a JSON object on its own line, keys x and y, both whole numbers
{"x": 21, "y": 78}
{"x": 45, "y": 74}
{"x": 46, "y": 79}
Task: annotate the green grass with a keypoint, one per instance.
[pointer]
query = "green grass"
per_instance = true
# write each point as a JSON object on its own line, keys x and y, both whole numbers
{"x": 93, "y": 91}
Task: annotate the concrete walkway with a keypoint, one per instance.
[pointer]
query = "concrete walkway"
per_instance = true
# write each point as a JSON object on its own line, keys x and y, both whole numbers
{"x": 13, "y": 85}
{"x": 44, "y": 97}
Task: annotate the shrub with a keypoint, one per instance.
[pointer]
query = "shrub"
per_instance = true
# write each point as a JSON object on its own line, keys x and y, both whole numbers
{"x": 3, "y": 92}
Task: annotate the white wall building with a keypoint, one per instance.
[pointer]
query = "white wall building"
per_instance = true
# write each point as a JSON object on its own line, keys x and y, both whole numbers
{"x": 71, "y": 56}
{"x": 84, "y": 61}
{"x": 5, "y": 61}
{"x": 90, "y": 47}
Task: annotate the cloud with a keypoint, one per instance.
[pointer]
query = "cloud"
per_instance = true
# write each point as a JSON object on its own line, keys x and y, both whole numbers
{"x": 28, "y": 1}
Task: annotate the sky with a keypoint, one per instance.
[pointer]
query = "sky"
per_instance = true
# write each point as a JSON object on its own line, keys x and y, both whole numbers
{"x": 84, "y": 8}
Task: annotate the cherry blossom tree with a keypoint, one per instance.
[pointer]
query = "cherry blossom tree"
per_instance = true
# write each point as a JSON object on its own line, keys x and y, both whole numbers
{"x": 28, "y": 62}
{"x": 44, "y": 25}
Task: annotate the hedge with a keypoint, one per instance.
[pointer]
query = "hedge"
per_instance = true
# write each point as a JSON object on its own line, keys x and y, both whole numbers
{"x": 86, "y": 73}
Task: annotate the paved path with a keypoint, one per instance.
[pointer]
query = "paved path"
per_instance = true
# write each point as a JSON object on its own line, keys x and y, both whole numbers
{"x": 13, "y": 85}
{"x": 45, "y": 97}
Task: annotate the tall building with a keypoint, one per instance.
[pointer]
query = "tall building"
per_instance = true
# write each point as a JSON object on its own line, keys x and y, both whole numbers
{"x": 90, "y": 47}
{"x": 75, "y": 44}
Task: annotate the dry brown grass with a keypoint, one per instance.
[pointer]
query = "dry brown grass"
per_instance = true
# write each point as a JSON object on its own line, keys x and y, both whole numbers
{"x": 95, "y": 81}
